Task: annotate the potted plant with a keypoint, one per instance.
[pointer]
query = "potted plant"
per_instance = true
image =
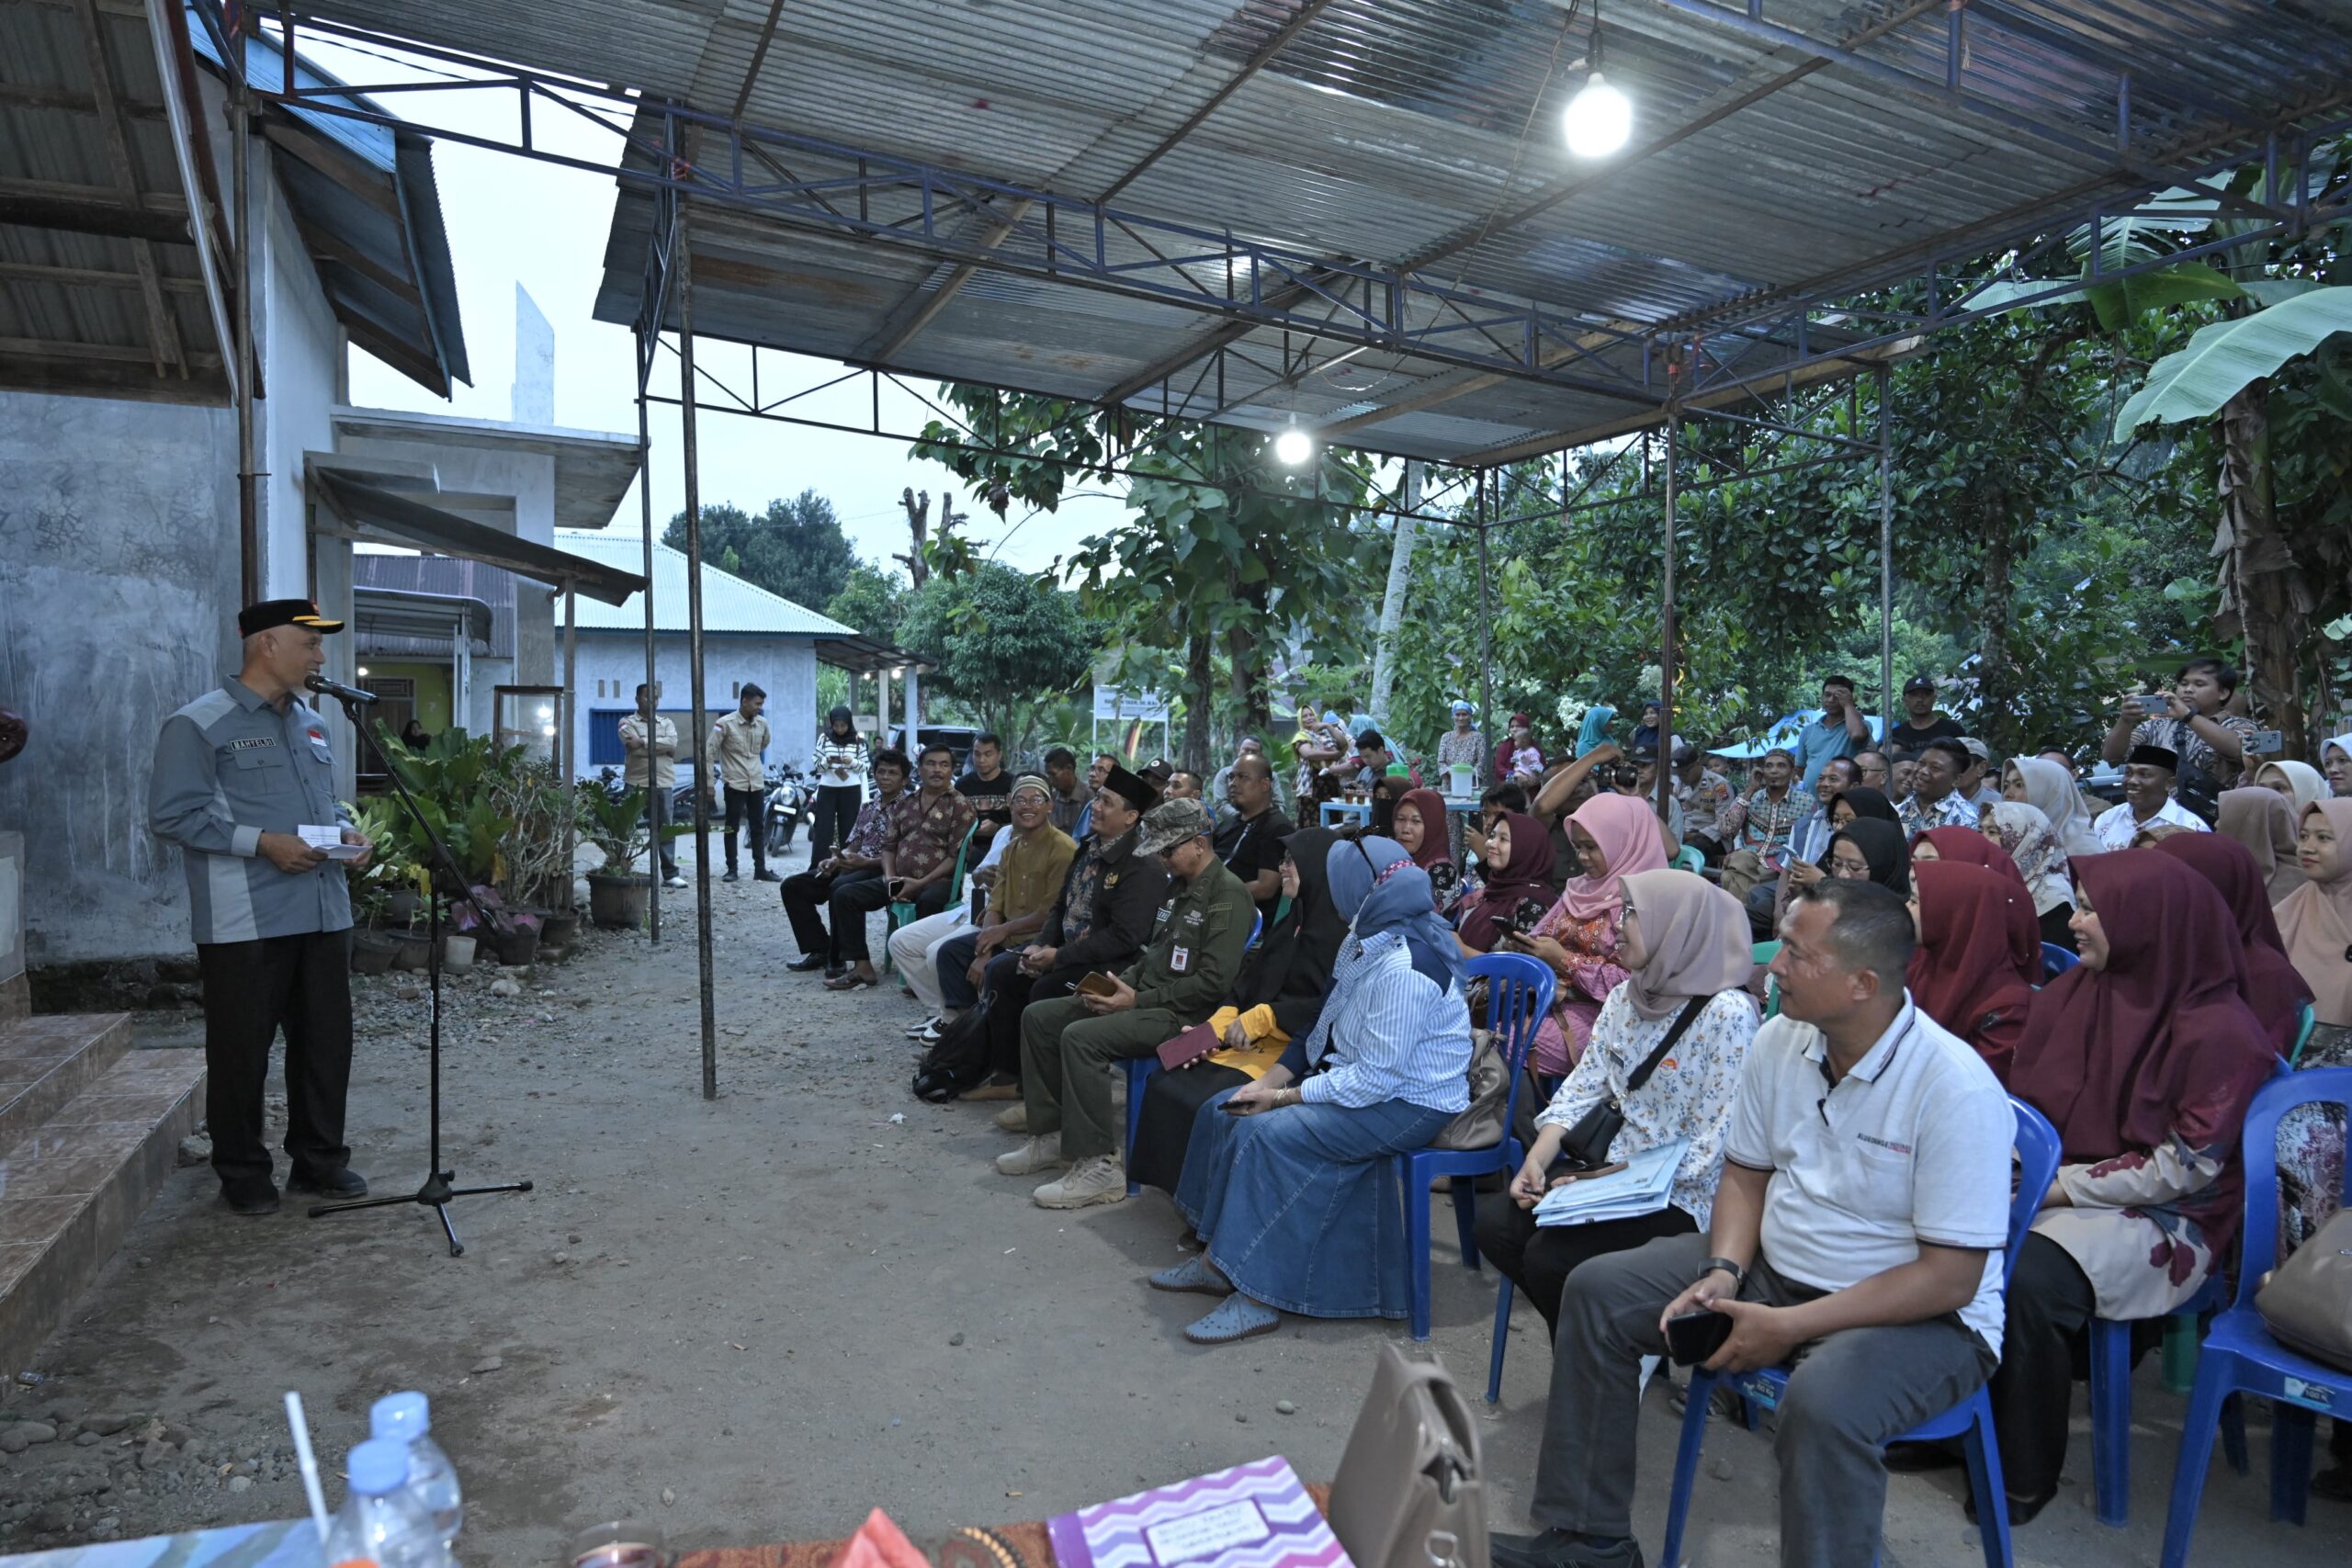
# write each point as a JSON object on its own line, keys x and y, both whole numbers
{"x": 616, "y": 824}
{"x": 372, "y": 950}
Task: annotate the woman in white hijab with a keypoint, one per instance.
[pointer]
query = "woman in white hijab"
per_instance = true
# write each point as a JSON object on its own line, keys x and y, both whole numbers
{"x": 2050, "y": 790}
{"x": 2336, "y": 761}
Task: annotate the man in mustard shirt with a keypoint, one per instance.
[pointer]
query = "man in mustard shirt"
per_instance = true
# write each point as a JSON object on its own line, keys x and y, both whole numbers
{"x": 1028, "y": 879}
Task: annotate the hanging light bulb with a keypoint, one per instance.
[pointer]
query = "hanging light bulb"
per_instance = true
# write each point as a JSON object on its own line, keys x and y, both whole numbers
{"x": 1293, "y": 447}
{"x": 1598, "y": 118}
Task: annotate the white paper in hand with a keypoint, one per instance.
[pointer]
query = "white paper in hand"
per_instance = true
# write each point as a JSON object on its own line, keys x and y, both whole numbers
{"x": 1641, "y": 1187}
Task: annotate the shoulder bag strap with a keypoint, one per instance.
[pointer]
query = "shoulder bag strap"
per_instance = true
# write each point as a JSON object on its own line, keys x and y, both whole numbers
{"x": 1689, "y": 1014}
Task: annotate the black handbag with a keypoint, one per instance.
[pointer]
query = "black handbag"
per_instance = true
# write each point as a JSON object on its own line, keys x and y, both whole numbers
{"x": 1587, "y": 1146}
{"x": 958, "y": 1059}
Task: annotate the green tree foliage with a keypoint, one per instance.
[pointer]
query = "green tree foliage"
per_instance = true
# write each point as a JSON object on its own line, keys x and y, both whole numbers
{"x": 795, "y": 548}
{"x": 1007, "y": 646}
{"x": 872, "y": 600}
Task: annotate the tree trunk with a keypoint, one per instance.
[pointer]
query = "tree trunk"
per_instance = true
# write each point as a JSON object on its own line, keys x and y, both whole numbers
{"x": 1245, "y": 649}
{"x": 918, "y": 528}
{"x": 1992, "y": 672}
{"x": 1392, "y": 603}
{"x": 1199, "y": 700}
{"x": 2263, "y": 597}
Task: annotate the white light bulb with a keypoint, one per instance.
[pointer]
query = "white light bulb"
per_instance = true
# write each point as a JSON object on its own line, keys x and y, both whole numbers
{"x": 1293, "y": 447}
{"x": 363, "y": 672}
{"x": 1597, "y": 120}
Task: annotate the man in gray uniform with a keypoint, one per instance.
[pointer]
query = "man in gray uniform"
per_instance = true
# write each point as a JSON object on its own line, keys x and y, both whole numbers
{"x": 239, "y": 771}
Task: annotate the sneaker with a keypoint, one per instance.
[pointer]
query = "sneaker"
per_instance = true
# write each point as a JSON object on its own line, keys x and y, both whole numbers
{"x": 1561, "y": 1549}
{"x": 344, "y": 1183}
{"x": 1097, "y": 1180}
{"x": 252, "y": 1197}
{"x": 929, "y": 1026}
{"x": 766, "y": 876}
{"x": 929, "y": 1035}
{"x": 674, "y": 880}
{"x": 1014, "y": 1118}
{"x": 1037, "y": 1154}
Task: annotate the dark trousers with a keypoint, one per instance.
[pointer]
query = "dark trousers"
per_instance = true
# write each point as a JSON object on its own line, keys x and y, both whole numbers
{"x": 806, "y": 894}
{"x": 834, "y": 814}
{"x": 301, "y": 984}
{"x": 668, "y": 857}
{"x": 1850, "y": 1393}
{"x": 2050, "y": 1301}
{"x": 853, "y": 901}
{"x": 748, "y": 805}
{"x": 1009, "y": 989}
{"x": 955, "y": 955}
{"x": 1539, "y": 1259}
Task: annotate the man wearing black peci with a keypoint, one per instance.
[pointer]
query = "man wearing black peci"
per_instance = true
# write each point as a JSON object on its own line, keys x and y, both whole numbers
{"x": 240, "y": 771}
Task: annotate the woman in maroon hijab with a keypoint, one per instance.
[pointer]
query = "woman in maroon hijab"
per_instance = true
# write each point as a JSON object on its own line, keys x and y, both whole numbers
{"x": 1979, "y": 955}
{"x": 2145, "y": 1057}
{"x": 2274, "y": 989}
{"x": 1969, "y": 846}
{"x": 1525, "y": 877}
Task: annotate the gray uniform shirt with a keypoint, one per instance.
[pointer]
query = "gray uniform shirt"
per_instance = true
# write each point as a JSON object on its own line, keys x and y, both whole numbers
{"x": 229, "y": 768}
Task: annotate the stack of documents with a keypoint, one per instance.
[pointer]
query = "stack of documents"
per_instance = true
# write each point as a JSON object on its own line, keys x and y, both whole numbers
{"x": 1639, "y": 1188}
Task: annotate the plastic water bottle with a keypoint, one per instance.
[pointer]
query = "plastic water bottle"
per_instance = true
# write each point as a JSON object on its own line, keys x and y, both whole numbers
{"x": 407, "y": 1419}
{"x": 382, "y": 1525}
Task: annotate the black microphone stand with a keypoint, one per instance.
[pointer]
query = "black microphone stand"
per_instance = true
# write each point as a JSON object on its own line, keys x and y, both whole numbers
{"x": 436, "y": 1191}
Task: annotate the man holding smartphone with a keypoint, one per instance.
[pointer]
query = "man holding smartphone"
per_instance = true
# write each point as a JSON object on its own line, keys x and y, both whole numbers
{"x": 1861, "y": 1218}
{"x": 919, "y": 844}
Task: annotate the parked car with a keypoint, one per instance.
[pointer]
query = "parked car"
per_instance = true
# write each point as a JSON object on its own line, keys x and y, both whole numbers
{"x": 956, "y": 738}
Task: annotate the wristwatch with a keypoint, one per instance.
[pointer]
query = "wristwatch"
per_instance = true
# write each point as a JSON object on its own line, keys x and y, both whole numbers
{"x": 1738, "y": 1275}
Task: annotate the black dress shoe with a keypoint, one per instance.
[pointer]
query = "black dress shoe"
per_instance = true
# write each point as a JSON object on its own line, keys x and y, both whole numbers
{"x": 730, "y": 876}
{"x": 344, "y": 1183}
{"x": 766, "y": 876}
{"x": 1561, "y": 1548}
{"x": 807, "y": 964}
{"x": 253, "y": 1197}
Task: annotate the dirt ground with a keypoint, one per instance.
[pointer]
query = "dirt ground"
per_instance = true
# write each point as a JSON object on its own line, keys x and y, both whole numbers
{"x": 753, "y": 1319}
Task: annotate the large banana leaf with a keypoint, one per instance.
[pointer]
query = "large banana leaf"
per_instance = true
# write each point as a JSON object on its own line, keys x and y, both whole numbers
{"x": 2222, "y": 359}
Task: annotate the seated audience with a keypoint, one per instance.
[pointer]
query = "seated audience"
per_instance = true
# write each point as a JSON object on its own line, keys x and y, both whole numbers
{"x": 1808, "y": 841}
{"x": 1594, "y": 731}
{"x": 2024, "y": 832}
{"x": 1703, "y": 794}
{"x": 2315, "y": 925}
{"x": 2336, "y": 761}
{"x": 916, "y": 947}
{"x": 1862, "y": 800}
{"x": 1367, "y": 767}
{"x": 2195, "y": 725}
{"x": 1871, "y": 1259}
{"x": 1760, "y": 845}
{"x": 1870, "y": 767}
{"x": 1101, "y": 921}
{"x": 926, "y": 834}
{"x": 2275, "y": 990}
{"x": 858, "y": 859}
{"x": 1283, "y": 981}
{"x": 1220, "y": 796}
{"x": 1643, "y": 785}
{"x": 1071, "y": 796}
{"x": 1900, "y": 774}
{"x": 1979, "y": 956}
{"x": 1250, "y": 841}
{"x": 2298, "y": 783}
{"x": 1870, "y": 850}
{"x": 1978, "y": 783}
{"x": 1291, "y": 1186}
{"x": 1616, "y": 837}
{"x": 1518, "y": 890}
{"x": 1387, "y": 791}
{"x": 1096, "y": 772}
{"x": 1935, "y": 800}
{"x": 1686, "y": 950}
{"x": 1183, "y": 785}
{"x": 2049, "y": 787}
{"x": 1029, "y": 877}
{"x": 2263, "y": 821}
{"x": 1645, "y": 735}
{"x": 1419, "y": 825}
{"x": 2148, "y": 800}
{"x": 1967, "y": 846}
{"x": 1494, "y": 802}
{"x": 987, "y": 787}
{"x": 2144, "y": 1057}
{"x": 1068, "y": 1047}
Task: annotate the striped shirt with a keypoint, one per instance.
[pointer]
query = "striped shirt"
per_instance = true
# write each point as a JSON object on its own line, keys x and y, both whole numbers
{"x": 229, "y": 768}
{"x": 839, "y": 763}
{"x": 1387, "y": 1033}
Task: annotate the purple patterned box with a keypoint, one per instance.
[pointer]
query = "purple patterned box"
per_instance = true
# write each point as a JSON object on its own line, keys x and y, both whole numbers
{"x": 1253, "y": 1516}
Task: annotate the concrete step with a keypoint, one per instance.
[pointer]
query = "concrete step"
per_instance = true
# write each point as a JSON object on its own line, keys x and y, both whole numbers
{"x": 70, "y": 1189}
{"x": 46, "y": 1061}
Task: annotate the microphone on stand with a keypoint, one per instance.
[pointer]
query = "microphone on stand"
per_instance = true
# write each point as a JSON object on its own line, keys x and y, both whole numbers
{"x": 338, "y": 691}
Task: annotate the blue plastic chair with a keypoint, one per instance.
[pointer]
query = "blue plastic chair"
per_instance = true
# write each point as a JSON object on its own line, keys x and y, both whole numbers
{"x": 1687, "y": 859}
{"x": 1970, "y": 1420}
{"x": 2056, "y": 960}
{"x": 2239, "y": 1354}
{"x": 1764, "y": 952}
{"x": 2110, "y": 1359}
{"x": 2302, "y": 1035}
{"x": 1519, "y": 997}
{"x": 1140, "y": 1068}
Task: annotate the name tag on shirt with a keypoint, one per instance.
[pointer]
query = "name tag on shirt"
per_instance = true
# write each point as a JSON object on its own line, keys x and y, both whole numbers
{"x": 1181, "y": 960}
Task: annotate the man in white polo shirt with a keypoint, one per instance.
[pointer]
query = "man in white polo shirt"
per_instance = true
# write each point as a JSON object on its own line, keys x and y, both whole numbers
{"x": 1859, "y": 1223}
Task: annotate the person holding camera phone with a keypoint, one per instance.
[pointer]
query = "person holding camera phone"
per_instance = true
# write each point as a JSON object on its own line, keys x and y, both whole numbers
{"x": 923, "y": 835}
{"x": 2192, "y": 721}
{"x": 1685, "y": 945}
{"x": 1860, "y": 1217}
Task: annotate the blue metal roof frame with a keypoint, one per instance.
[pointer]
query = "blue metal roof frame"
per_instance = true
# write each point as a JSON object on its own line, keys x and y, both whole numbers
{"x": 363, "y": 193}
{"x": 1356, "y": 213}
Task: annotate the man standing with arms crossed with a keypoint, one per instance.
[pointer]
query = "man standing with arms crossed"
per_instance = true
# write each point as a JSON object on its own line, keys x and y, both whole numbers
{"x": 737, "y": 740}
{"x": 656, "y": 774}
{"x": 239, "y": 773}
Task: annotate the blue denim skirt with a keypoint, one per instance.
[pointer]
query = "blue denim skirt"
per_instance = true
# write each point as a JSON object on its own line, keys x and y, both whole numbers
{"x": 1302, "y": 1207}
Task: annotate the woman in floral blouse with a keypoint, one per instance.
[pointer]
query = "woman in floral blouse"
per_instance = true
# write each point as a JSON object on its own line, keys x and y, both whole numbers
{"x": 1616, "y": 837}
{"x": 1685, "y": 945}
{"x": 2145, "y": 1057}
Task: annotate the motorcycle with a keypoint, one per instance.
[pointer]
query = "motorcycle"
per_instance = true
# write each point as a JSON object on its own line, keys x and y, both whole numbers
{"x": 789, "y": 798}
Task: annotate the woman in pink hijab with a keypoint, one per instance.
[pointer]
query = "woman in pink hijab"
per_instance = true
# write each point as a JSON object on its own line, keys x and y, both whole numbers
{"x": 1616, "y": 836}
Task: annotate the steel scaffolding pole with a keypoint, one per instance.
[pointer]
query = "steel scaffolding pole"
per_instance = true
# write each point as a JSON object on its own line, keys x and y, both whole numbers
{"x": 1486, "y": 629}
{"x": 1886, "y": 561}
{"x": 645, "y": 508}
{"x": 1667, "y": 627}
{"x": 685, "y": 264}
{"x": 251, "y": 575}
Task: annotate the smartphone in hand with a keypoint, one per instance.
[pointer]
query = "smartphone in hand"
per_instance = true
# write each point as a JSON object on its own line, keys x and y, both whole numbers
{"x": 1693, "y": 1337}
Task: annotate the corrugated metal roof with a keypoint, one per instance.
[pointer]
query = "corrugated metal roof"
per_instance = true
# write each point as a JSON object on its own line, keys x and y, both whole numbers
{"x": 729, "y": 605}
{"x": 447, "y": 577}
{"x": 1793, "y": 149}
